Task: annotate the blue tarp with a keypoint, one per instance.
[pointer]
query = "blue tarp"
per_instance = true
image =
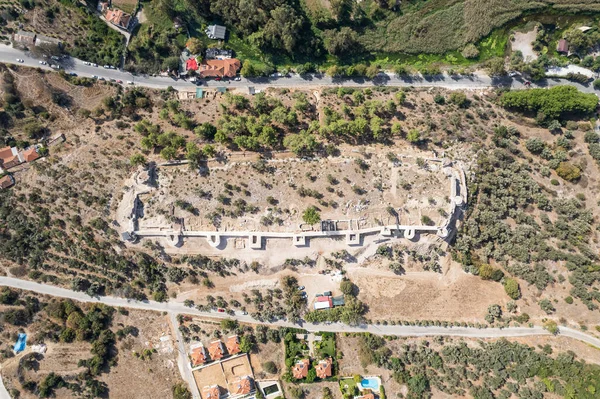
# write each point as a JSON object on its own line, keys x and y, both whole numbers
{"x": 20, "y": 344}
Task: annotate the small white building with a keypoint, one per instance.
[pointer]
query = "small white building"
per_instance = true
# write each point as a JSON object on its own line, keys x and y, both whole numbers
{"x": 216, "y": 32}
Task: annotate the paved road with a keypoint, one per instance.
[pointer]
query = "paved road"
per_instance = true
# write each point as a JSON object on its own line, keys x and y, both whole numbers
{"x": 175, "y": 308}
{"x": 3, "y": 392}
{"x": 477, "y": 81}
{"x": 182, "y": 359}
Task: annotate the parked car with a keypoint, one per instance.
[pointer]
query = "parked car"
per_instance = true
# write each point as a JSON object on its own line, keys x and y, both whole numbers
{"x": 73, "y": 74}
{"x": 87, "y": 63}
{"x": 20, "y": 60}
{"x": 513, "y": 74}
{"x": 238, "y": 79}
{"x": 221, "y": 310}
{"x": 43, "y": 63}
{"x": 112, "y": 67}
{"x": 94, "y": 65}
{"x": 95, "y": 77}
{"x": 106, "y": 67}
{"x": 218, "y": 78}
{"x": 101, "y": 78}
{"x": 301, "y": 288}
{"x": 55, "y": 58}
{"x": 129, "y": 82}
{"x": 119, "y": 81}
{"x": 55, "y": 66}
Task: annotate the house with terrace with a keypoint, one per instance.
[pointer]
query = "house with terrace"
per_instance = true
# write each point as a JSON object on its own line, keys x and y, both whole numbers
{"x": 198, "y": 355}
{"x": 119, "y": 18}
{"x": 227, "y": 68}
{"x": 241, "y": 386}
{"x": 11, "y": 157}
{"x": 211, "y": 392}
{"x": 300, "y": 369}
{"x": 6, "y": 181}
{"x": 324, "y": 368}
{"x": 216, "y": 351}
{"x": 233, "y": 345}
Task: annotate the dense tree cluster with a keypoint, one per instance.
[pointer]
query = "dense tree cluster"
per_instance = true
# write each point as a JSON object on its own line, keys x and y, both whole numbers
{"x": 505, "y": 190}
{"x": 501, "y": 369}
{"x": 559, "y": 101}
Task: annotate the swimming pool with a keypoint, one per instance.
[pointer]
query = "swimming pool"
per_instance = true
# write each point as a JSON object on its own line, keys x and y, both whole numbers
{"x": 371, "y": 383}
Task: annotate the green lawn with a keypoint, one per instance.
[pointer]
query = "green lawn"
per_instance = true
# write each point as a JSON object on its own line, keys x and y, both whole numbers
{"x": 326, "y": 347}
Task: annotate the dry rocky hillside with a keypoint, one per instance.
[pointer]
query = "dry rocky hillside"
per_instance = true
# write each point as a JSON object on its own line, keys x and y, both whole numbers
{"x": 529, "y": 231}
{"x": 76, "y": 190}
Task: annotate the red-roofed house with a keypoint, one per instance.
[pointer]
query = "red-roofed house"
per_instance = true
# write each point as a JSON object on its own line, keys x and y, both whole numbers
{"x": 300, "y": 369}
{"x": 6, "y": 182}
{"x": 233, "y": 345}
{"x": 367, "y": 396}
{"x": 562, "y": 46}
{"x": 30, "y": 154}
{"x": 198, "y": 355}
{"x": 211, "y": 392}
{"x": 9, "y": 157}
{"x": 323, "y": 302}
{"x": 118, "y": 18}
{"x": 191, "y": 64}
{"x": 241, "y": 386}
{"x": 216, "y": 350}
{"x": 219, "y": 68}
{"x": 323, "y": 369}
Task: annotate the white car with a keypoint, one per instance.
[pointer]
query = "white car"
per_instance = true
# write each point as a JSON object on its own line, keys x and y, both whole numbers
{"x": 95, "y": 77}
{"x": 111, "y": 67}
{"x": 86, "y": 63}
{"x": 238, "y": 79}
{"x": 106, "y": 67}
{"x": 94, "y": 65}
{"x": 513, "y": 74}
{"x": 43, "y": 63}
{"x": 20, "y": 60}
{"x": 55, "y": 66}
{"x": 129, "y": 82}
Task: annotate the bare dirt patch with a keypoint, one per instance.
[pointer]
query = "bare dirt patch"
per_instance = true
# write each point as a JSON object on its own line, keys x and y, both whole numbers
{"x": 452, "y": 296}
{"x": 522, "y": 42}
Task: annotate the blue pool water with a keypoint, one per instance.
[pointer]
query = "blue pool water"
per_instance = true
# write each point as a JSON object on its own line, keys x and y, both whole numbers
{"x": 371, "y": 383}
{"x": 20, "y": 344}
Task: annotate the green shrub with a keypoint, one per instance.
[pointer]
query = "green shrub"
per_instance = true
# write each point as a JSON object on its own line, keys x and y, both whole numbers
{"x": 568, "y": 171}
{"x": 511, "y": 286}
{"x": 569, "y": 300}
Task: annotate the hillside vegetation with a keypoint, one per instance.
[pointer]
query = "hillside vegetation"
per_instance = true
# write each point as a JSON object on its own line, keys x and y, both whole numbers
{"x": 291, "y": 30}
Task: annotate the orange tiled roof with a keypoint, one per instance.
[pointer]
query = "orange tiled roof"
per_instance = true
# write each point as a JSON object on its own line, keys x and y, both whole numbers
{"x": 367, "y": 396}
{"x": 241, "y": 386}
{"x": 323, "y": 369}
{"x": 11, "y": 162}
{"x": 233, "y": 345}
{"x": 118, "y": 17}
{"x": 6, "y": 182}
{"x": 5, "y": 152}
{"x": 198, "y": 355}
{"x": 216, "y": 351}
{"x": 214, "y": 68}
{"x": 211, "y": 392}
{"x": 300, "y": 369}
{"x": 30, "y": 154}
